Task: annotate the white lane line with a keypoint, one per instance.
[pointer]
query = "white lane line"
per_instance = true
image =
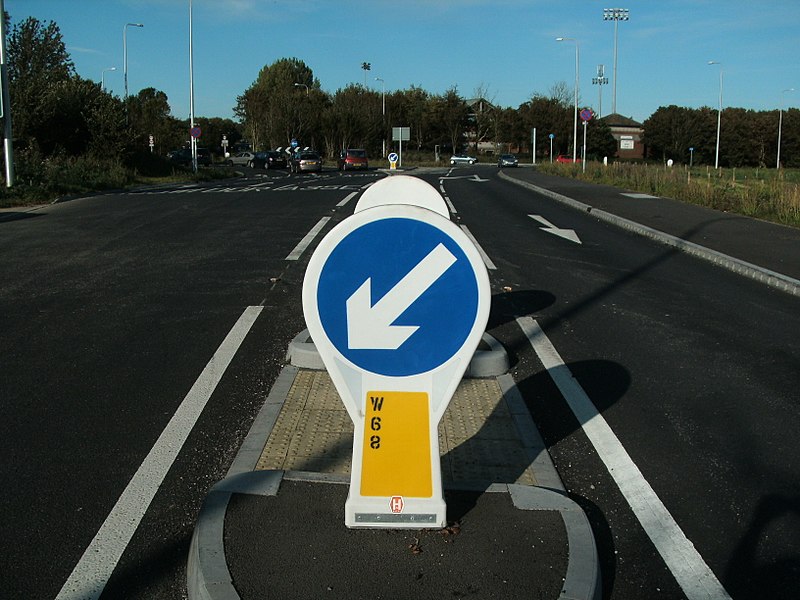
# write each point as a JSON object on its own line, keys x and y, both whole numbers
{"x": 91, "y": 574}
{"x": 347, "y": 199}
{"x": 306, "y": 241}
{"x": 683, "y": 560}
{"x": 486, "y": 260}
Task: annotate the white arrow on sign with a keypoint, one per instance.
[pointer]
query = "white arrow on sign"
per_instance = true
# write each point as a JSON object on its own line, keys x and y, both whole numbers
{"x": 567, "y": 234}
{"x": 370, "y": 327}
{"x": 470, "y": 177}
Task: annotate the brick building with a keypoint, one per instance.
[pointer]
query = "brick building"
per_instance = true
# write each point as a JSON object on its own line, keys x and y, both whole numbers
{"x": 628, "y": 135}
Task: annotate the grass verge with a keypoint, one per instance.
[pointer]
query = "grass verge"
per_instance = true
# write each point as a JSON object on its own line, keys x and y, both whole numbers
{"x": 761, "y": 193}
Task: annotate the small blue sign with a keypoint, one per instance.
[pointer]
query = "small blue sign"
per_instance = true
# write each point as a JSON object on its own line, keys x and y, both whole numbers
{"x": 410, "y": 278}
{"x": 294, "y": 143}
{"x": 552, "y": 135}
{"x": 393, "y": 157}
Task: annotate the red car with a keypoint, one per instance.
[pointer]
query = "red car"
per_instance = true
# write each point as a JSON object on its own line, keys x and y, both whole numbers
{"x": 352, "y": 159}
{"x": 563, "y": 158}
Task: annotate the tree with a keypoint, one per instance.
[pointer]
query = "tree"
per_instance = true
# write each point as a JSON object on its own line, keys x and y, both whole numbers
{"x": 282, "y": 104}
{"x": 548, "y": 115}
{"x": 672, "y": 130}
{"x": 149, "y": 114}
{"x": 450, "y": 114}
{"x": 38, "y": 63}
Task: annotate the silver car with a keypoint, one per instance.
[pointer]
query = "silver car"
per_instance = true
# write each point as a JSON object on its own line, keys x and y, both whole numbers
{"x": 242, "y": 158}
{"x": 507, "y": 160}
{"x": 462, "y": 159}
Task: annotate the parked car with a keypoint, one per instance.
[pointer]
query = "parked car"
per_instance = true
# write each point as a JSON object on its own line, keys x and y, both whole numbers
{"x": 305, "y": 161}
{"x": 271, "y": 159}
{"x": 184, "y": 157}
{"x": 203, "y": 157}
{"x": 180, "y": 157}
{"x": 507, "y": 160}
{"x": 462, "y": 159}
{"x": 242, "y": 158}
{"x": 563, "y": 158}
{"x": 352, "y": 158}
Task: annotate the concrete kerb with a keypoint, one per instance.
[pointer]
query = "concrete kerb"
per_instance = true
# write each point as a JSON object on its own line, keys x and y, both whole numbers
{"x": 741, "y": 267}
{"x": 493, "y": 362}
{"x": 208, "y": 577}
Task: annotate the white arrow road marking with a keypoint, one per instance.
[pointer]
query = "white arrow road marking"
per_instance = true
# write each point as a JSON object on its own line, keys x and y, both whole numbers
{"x": 370, "y": 327}
{"x": 470, "y": 177}
{"x": 567, "y": 234}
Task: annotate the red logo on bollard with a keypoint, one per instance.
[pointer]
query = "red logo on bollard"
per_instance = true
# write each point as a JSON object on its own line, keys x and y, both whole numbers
{"x": 396, "y": 504}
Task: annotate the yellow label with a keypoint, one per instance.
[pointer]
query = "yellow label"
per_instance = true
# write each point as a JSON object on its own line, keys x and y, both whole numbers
{"x": 397, "y": 449}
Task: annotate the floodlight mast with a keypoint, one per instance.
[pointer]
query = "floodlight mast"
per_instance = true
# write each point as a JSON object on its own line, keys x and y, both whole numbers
{"x": 616, "y": 15}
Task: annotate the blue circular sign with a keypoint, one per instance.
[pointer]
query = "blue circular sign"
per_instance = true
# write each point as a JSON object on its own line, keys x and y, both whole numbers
{"x": 420, "y": 281}
{"x": 393, "y": 157}
{"x": 552, "y": 135}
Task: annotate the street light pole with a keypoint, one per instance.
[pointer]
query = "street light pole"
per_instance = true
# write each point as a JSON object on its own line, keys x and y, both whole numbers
{"x": 5, "y": 103}
{"x": 383, "y": 111}
{"x": 616, "y": 15}
{"x": 719, "y": 111}
{"x": 191, "y": 92}
{"x": 780, "y": 126}
{"x": 575, "y": 118}
{"x": 103, "y": 77}
{"x": 302, "y": 85}
{"x": 125, "y": 51}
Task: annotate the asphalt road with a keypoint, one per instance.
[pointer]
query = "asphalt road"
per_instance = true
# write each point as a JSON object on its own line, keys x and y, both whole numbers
{"x": 112, "y": 306}
{"x": 694, "y": 368}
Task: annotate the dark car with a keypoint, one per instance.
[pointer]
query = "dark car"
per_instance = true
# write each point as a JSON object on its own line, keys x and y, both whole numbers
{"x": 271, "y": 159}
{"x": 183, "y": 157}
{"x": 180, "y": 157}
{"x": 203, "y": 157}
{"x": 352, "y": 158}
{"x": 507, "y": 160}
{"x": 305, "y": 160}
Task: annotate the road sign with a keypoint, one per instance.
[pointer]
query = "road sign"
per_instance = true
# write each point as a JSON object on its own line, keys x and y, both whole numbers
{"x": 401, "y": 134}
{"x": 407, "y": 307}
{"x": 195, "y": 132}
{"x": 294, "y": 143}
{"x": 396, "y": 298}
{"x": 393, "y": 157}
{"x": 552, "y": 136}
{"x": 586, "y": 114}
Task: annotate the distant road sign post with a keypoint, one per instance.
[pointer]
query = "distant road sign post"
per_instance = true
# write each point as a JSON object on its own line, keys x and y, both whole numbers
{"x": 401, "y": 134}
{"x": 396, "y": 324}
{"x": 195, "y": 132}
{"x": 393, "y": 157}
{"x": 586, "y": 116}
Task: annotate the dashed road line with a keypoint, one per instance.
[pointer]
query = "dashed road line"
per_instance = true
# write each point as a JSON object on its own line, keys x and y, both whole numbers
{"x": 306, "y": 241}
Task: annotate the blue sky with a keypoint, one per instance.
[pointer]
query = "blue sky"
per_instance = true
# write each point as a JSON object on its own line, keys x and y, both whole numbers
{"x": 505, "y": 47}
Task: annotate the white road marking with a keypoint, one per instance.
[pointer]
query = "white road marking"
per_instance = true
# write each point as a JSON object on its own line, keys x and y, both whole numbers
{"x": 486, "y": 260}
{"x": 690, "y": 570}
{"x": 347, "y": 199}
{"x": 640, "y": 196}
{"x": 91, "y": 574}
{"x": 306, "y": 241}
{"x": 567, "y": 234}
